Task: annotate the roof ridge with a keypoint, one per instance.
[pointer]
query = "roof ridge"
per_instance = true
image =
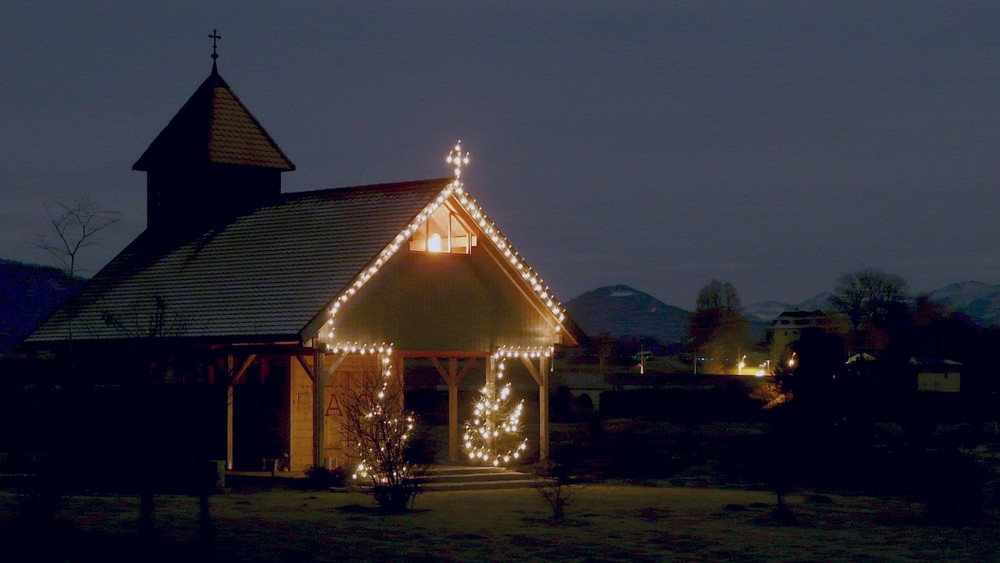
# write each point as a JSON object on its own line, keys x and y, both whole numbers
{"x": 430, "y": 184}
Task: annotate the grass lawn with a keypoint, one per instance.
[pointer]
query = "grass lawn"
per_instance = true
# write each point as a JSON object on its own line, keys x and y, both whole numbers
{"x": 609, "y": 522}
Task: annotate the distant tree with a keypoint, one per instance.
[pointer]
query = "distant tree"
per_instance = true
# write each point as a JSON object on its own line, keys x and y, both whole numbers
{"x": 939, "y": 332}
{"x": 604, "y": 346}
{"x": 811, "y": 366}
{"x": 75, "y": 226}
{"x": 148, "y": 362}
{"x": 718, "y": 295}
{"x": 873, "y": 302}
{"x": 717, "y": 328}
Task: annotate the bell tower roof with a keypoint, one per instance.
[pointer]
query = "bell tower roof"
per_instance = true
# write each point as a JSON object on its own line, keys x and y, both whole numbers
{"x": 213, "y": 127}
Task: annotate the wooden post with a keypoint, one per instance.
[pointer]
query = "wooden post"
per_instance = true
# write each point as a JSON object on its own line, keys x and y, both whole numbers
{"x": 399, "y": 371}
{"x": 543, "y": 408}
{"x": 453, "y": 409}
{"x": 229, "y": 411}
{"x": 233, "y": 376}
{"x": 319, "y": 413}
{"x": 541, "y": 377}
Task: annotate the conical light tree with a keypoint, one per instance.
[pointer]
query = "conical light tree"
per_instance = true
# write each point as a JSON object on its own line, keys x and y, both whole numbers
{"x": 493, "y": 434}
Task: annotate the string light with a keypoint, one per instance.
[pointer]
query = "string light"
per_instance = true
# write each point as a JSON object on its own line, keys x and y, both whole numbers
{"x": 523, "y": 352}
{"x": 369, "y": 465}
{"x": 457, "y": 159}
{"x": 493, "y": 435}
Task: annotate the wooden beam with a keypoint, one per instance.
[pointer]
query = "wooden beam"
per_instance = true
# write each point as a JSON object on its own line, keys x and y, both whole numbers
{"x": 234, "y": 377}
{"x": 320, "y": 376}
{"x": 465, "y": 370}
{"x": 446, "y": 374}
{"x": 399, "y": 369}
{"x": 543, "y": 408}
{"x": 453, "y": 376}
{"x": 531, "y": 369}
{"x": 452, "y": 380}
{"x": 439, "y": 354}
{"x": 230, "y": 362}
{"x": 238, "y": 376}
{"x": 319, "y": 414}
{"x": 305, "y": 366}
{"x": 336, "y": 363}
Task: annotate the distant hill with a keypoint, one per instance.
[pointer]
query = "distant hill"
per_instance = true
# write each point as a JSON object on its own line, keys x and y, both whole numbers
{"x": 767, "y": 311}
{"x": 28, "y": 294}
{"x": 623, "y": 311}
{"x": 980, "y": 301}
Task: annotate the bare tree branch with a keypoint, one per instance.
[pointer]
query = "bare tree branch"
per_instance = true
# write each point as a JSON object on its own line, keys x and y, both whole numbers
{"x": 74, "y": 227}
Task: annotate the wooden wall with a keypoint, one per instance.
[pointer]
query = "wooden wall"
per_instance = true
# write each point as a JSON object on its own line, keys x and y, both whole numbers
{"x": 335, "y": 451}
{"x": 428, "y": 301}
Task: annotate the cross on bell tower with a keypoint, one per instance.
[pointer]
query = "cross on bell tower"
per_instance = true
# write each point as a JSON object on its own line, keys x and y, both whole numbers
{"x": 213, "y": 160}
{"x": 215, "y": 39}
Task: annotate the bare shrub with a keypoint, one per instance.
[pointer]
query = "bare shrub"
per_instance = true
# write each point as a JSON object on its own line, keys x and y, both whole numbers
{"x": 557, "y": 485}
{"x": 377, "y": 423}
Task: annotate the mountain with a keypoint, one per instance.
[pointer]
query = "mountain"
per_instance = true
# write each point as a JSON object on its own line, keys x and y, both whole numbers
{"x": 28, "y": 294}
{"x": 767, "y": 311}
{"x": 624, "y": 311}
{"x": 980, "y": 301}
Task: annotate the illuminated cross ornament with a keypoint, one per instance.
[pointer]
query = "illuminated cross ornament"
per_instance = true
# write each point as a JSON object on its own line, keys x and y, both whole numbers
{"x": 458, "y": 159}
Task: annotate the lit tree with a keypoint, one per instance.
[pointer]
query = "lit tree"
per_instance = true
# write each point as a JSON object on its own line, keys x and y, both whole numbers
{"x": 376, "y": 421}
{"x": 493, "y": 435}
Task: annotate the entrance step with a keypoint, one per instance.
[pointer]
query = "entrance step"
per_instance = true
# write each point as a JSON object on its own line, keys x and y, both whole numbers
{"x": 465, "y": 478}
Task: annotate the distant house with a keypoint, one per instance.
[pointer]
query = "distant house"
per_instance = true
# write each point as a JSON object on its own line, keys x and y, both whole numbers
{"x": 292, "y": 294}
{"x": 789, "y": 327}
{"x": 937, "y": 375}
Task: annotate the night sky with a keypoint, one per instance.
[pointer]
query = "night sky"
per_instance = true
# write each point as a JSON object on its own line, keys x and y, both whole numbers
{"x": 655, "y": 144}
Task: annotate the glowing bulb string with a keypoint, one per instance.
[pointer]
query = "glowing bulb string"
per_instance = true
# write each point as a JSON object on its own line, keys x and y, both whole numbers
{"x": 455, "y": 188}
{"x": 492, "y": 436}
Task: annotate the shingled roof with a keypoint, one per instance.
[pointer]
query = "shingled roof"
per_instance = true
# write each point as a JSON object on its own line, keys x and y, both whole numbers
{"x": 266, "y": 275}
{"x": 213, "y": 127}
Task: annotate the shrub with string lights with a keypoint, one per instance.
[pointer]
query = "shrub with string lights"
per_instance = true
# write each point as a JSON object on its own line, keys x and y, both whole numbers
{"x": 376, "y": 421}
{"x": 493, "y": 434}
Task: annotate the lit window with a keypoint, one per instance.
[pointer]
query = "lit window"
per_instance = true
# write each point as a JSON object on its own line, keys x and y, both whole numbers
{"x": 443, "y": 232}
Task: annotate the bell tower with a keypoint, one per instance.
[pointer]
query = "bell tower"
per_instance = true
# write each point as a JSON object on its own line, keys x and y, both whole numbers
{"x": 212, "y": 161}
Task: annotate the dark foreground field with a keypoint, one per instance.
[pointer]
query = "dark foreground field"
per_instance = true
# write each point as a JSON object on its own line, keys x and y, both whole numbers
{"x": 606, "y": 522}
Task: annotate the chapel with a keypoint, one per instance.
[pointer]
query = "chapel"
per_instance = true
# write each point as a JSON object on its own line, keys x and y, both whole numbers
{"x": 279, "y": 301}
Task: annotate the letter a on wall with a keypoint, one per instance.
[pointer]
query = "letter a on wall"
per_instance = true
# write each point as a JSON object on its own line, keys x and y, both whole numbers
{"x": 333, "y": 407}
